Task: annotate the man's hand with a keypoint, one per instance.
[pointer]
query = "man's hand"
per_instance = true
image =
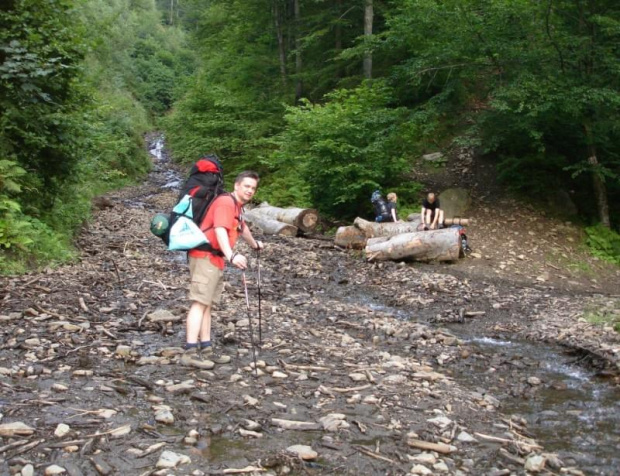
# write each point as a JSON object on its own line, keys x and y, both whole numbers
{"x": 259, "y": 245}
{"x": 239, "y": 261}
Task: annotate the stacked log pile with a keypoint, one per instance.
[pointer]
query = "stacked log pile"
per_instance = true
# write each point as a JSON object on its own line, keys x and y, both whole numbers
{"x": 402, "y": 241}
{"x": 282, "y": 221}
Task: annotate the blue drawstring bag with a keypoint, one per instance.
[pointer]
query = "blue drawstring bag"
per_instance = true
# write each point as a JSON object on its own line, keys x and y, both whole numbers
{"x": 184, "y": 233}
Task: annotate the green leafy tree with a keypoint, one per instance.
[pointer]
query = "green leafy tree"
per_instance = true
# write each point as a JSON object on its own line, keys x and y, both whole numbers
{"x": 346, "y": 148}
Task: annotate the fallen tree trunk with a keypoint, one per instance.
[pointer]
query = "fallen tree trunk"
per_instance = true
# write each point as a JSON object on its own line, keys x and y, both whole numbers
{"x": 456, "y": 221}
{"x": 373, "y": 229}
{"x": 416, "y": 217}
{"x": 350, "y": 237}
{"x": 306, "y": 219}
{"x": 432, "y": 245}
{"x": 270, "y": 226}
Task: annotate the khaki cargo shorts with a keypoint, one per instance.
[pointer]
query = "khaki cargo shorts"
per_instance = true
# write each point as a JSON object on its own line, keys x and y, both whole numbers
{"x": 206, "y": 281}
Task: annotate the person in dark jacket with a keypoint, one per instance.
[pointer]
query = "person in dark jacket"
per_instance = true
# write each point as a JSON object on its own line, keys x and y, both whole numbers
{"x": 432, "y": 214}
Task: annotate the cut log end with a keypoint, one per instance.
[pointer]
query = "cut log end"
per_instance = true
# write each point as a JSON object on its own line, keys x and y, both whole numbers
{"x": 350, "y": 237}
{"x": 307, "y": 220}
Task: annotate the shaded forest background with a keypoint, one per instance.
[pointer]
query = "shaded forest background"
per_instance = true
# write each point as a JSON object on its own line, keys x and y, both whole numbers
{"x": 328, "y": 100}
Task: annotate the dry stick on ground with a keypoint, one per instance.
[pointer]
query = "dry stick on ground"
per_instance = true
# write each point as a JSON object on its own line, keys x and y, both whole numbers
{"x": 427, "y": 445}
{"x": 372, "y": 454}
{"x": 527, "y": 447}
{"x": 346, "y": 390}
{"x": 25, "y": 448}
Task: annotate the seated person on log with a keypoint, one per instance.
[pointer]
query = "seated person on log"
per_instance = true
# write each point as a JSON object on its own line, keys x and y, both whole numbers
{"x": 432, "y": 214}
{"x": 391, "y": 205}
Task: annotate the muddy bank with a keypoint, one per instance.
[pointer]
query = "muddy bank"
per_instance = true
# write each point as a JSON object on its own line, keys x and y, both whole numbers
{"x": 356, "y": 363}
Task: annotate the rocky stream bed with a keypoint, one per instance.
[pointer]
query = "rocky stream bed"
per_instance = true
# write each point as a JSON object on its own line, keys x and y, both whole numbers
{"x": 363, "y": 368}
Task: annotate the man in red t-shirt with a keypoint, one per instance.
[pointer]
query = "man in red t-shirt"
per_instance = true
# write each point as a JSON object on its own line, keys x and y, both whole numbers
{"x": 222, "y": 225}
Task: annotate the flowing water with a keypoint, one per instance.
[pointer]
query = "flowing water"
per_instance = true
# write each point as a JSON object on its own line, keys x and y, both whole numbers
{"x": 572, "y": 412}
{"x": 569, "y": 409}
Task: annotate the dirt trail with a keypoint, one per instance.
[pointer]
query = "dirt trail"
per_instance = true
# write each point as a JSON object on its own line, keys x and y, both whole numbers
{"x": 354, "y": 351}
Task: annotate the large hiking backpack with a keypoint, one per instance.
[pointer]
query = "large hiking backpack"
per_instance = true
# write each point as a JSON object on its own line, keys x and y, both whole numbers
{"x": 464, "y": 242}
{"x": 380, "y": 205}
{"x": 204, "y": 184}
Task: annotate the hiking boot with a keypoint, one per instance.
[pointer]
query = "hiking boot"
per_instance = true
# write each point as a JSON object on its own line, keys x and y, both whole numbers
{"x": 191, "y": 358}
{"x": 208, "y": 353}
{"x": 221, "y": 359}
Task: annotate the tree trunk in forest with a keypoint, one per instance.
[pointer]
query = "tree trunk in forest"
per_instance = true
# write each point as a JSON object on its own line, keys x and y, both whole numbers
{"x": 299, "y": 86}
{"x": 350, "y": 237}
{"x": 306, "y": 219}
{"x": 280, "y": 35}
{"x": 373, "y": 229}
{"x": 598, "y": 182}
{"x": 338, "y": 36}
{"x": 270, "y": 226}
{"x": 435, "y": 245}
{"x": 368, "y": 18}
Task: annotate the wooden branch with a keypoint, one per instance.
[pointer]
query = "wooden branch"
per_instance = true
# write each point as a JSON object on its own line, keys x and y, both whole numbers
{"x": 427, "y": 445}
{"x": 372, "y": 454}
{"x": 296, "y": 425}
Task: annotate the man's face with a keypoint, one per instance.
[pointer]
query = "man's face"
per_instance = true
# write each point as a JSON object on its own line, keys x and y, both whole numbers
{"x": 245, "y": 189}
{"x": 431, "y": 198}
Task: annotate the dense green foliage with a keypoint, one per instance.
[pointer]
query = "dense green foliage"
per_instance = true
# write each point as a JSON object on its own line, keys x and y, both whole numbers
{"x": 604, "y": 243}
{"x": 308, "y": 94}
{"x": 344, "y": 149}
{"x": 79, "y": 84}
{"x": 534, "y": 85}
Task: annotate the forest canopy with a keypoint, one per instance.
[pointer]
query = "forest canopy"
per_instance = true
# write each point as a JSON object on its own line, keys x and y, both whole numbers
{"x": 328, "y": 100}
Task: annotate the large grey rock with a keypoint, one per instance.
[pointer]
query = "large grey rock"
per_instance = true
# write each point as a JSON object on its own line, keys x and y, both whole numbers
{"x": 455, "y": 202}
{"x": 561, "y": 203}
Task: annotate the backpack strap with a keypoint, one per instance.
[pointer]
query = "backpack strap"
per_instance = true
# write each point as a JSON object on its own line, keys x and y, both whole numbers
{"x": 208, "y": 246}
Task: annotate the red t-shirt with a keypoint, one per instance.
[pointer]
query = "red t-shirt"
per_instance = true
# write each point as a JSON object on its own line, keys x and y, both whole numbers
{"x": 224, "y": 212}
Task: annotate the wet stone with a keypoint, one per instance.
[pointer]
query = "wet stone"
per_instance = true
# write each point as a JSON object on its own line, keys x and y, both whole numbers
{"x": 304, "y": 452}
{"x": 425, "y": 458}
{"x": 27, "y": 470}
{"x": 465, "y": 437}
{"x": 61, "y": 430}
{"x": 54, "y": 469}
{"x": 535, "y": 463}
{"x": 169, "y": 459}
{"x": 421, "y": 470}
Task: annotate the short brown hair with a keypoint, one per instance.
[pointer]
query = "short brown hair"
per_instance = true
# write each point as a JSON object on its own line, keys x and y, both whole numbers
{"x": 247, "y": 174}
{"x": 392, "y": 197}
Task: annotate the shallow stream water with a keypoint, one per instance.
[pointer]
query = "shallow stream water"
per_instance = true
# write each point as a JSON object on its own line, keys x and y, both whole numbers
{"x": 572, "y": 412}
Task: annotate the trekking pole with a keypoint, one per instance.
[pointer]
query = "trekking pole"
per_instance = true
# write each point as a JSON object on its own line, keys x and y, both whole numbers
{"x": 260, "y": 317}
{"x": 247, "y": 302}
